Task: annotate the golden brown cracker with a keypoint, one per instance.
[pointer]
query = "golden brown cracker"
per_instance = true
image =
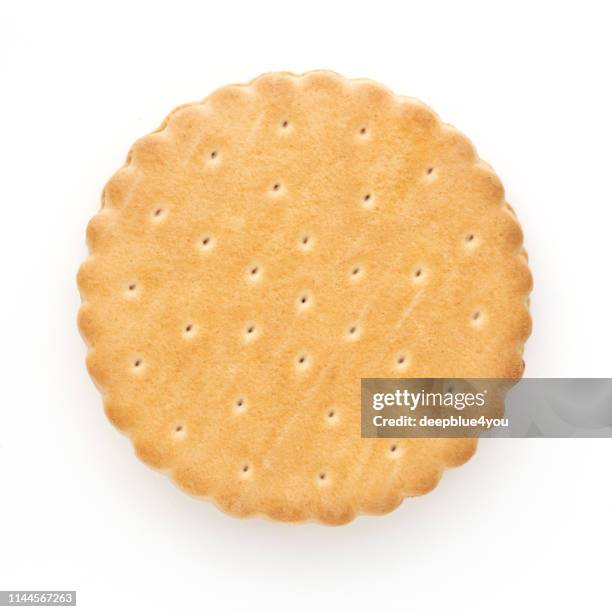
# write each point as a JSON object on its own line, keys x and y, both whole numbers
{"x": 268, "y": 247}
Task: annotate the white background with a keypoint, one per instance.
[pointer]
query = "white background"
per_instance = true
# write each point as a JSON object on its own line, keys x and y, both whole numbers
{"x": 525, "y": 524}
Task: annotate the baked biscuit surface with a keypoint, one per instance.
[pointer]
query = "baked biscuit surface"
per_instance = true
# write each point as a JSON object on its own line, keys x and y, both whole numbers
{"x": 267, "y": 248}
